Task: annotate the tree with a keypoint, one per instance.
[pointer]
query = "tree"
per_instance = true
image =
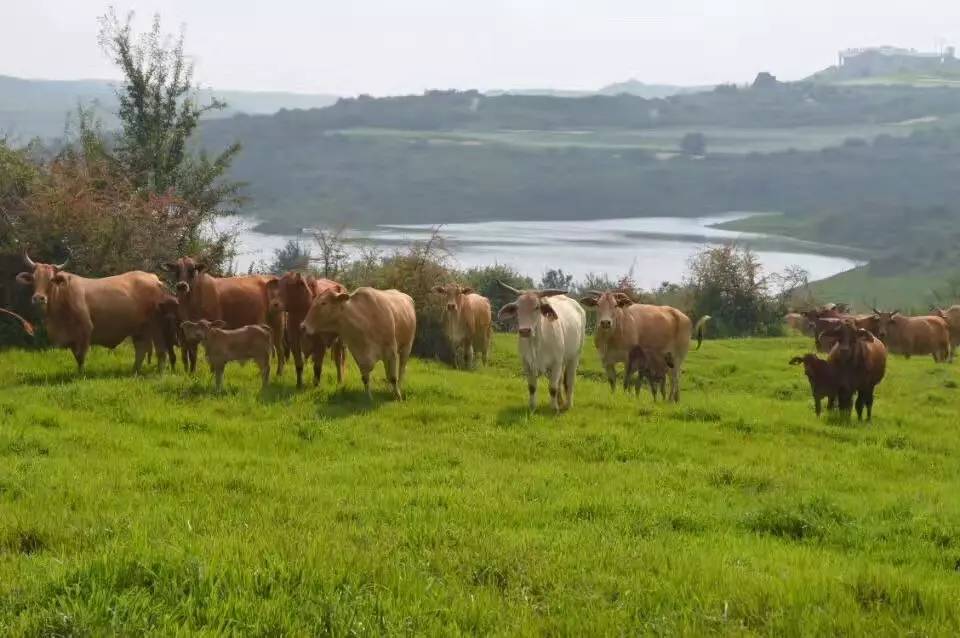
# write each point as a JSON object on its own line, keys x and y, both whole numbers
{"x": 293, "y": 256}
{"x": 333, "y": 256}
{"x": 159, "y": 111}
{"x": 694, "y": 144}
{"x": 557, "y": 279}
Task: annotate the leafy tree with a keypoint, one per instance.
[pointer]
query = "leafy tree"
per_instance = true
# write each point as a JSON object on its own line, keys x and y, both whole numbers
{"x": 293, "y": 256}
{"x": 159, "y": 111}
{"x": 556, "y": 278}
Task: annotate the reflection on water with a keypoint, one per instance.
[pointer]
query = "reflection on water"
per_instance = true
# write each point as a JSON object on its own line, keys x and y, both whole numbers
{"x": 655, "y": 248}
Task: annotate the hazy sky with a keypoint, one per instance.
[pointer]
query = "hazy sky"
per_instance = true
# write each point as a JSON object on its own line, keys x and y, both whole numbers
{"x": 402, "y": 46}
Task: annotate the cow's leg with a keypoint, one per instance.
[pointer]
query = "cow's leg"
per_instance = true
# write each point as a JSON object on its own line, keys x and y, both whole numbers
{"x": 868, "y": 401}
{"x": 264, "y": 372}
{"x": 611, "y": 370}
{"x": 482, "y": 346}
{"x": 141, "y": 346}
{"x": 391, "y": 365}
{"x": 190, "y": 354}
{"x": 555, "y": 377}
{"x": 816, "y": 403}
{"x": 296, "y": 347}
{"x": 80, "y": 350}
{"x": 859, "y": 405}
{"x": 319, "y": 354}
{"x": 570, "y": 379}
{"x": 468, "y": 354}
{"x": 340, "y": 361}
{"x": 675, "y": 381}
{"x": 217, "y": 376}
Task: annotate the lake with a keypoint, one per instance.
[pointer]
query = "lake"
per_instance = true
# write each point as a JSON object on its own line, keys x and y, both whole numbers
{"x": 655, "y": 248}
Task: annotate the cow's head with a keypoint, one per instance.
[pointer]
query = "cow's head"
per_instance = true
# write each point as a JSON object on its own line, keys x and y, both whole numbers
{"x": 606, "y": 304}
{"x": 197, "y": 331}
{"x": 325, "y": 313}
{"x": 528, "y": 309}
{"x": 185, "y": 272}
{"x": 886, "y": 322}
{"x": 453, "y": 294}
{"x": 47, "y": 280}
{"x": 847, "y": 336}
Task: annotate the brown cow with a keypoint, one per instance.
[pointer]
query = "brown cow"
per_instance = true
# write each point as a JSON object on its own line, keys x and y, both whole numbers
{"x": 952, "y": 316}
{"x": 293, "y": 294}
{"x": 859, "y": 361}
{"x": 237, "y": 301}
{"x": 24, "y": 324}
{"x": 623, "y": 324}
{"x": 913, "y": 335}
{"x": 650, "y": 366}
{"x": 375, "y": 325}
{"x": 798, "y": 322}
{"x": 467, "y": 322}
{"x": 223, "y": 346}
{"x": 80, "y": 312}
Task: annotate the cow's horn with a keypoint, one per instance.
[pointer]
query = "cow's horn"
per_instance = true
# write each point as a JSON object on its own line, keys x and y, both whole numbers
{"x": 595, "y": 293}
{"x": 29, "y": 262}
{"x": 63, "y": 265}
{"x": 508, "y": 288}
{"x": 551, "y": 292}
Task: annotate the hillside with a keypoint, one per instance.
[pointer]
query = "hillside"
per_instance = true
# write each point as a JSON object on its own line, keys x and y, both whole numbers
{"x": 39, "y": 108}
{"x": 151, "y": 505}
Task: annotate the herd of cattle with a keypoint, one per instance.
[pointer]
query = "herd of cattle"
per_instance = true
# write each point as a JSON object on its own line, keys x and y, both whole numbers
{"x": 857, "y": 347}
{"x": 254, "y": 317}
{"x": 260, "y": 317}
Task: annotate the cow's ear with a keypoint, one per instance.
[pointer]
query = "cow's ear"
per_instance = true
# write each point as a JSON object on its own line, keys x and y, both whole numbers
{"x": 59, "y": 279}
{"x": 624, "y": 301}
{"x": 169, "y": 266}
{"x": 796, "y": 361}
{"x": 509, "y": 311}
{"x": 438, "y": 289}
{"x": 25, "y": 278}
{"x": 589, "y": 301}
{"x": 466, "y": 290}
{"x": 219, "y": 323}
{"x": 547, "y": 311}
{"x": 200, "y": 267}
{"x": 342, "y": 297}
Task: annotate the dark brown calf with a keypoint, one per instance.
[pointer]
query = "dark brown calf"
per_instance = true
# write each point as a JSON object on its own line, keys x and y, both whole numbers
{"x": 648, "y": 365}
{"x": 824, "y": 382}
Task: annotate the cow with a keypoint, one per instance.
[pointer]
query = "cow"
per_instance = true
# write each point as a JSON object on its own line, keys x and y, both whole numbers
{"x": 25, "y": 325}
{"x": 249, "y": 343}
{"x": 822, "y": 377}
{"x": 859, "y": 360}
{"x": 467, "y": 322}
{"x": 822, "y": 318}
{"x": 952, "y": 316}
{"x": 237, "y": 301}
{"x": 650, "y": 366}
{"x": 551, "y": 329}
{"x": 375, "y": 325}
{"x": 798, "y": 322}
{"x": 913, "y": 335}
{"x": 79, "y": 312}
{"x": 623, "y": 324}
{"x": 292, "y": 295}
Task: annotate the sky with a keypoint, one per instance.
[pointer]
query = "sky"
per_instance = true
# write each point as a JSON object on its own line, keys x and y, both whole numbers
{"x": 384, "y": 47}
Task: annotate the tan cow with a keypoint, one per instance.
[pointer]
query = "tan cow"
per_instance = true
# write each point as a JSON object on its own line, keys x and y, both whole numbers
{"x": 24, "y": 324}
{"x": 467, "y": 322}
{"x": 913, "y": 335}
{"x": 237, "y": 301}
{"x": 799, "y": 323}
{"x": 249, "y": 343}
{"x": 80, "y": 312}
{"x": 623, "y": 324}
{"x": 375, "y": 325}
{"x": 293, "y": 294}
{"x": 952, "y": 316}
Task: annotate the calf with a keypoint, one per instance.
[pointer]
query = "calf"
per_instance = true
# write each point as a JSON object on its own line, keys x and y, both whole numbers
{"x": 823, "y": 379}
{"x": 651, "y": 366}
{"x": 222, "y": 346}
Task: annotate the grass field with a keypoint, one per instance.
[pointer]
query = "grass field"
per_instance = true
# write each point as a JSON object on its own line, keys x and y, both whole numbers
{"x": 152, "y": 506}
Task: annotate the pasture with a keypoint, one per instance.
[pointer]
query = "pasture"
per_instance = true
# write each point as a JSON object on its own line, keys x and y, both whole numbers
{"x": 151, "y": 505}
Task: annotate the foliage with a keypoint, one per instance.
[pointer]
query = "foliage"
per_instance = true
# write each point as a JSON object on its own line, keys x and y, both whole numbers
{"x": 294, "y": 255}
{"x": 727, "y": 283}
{"x": 556, "y": 278}
{"x": 694, "y": 144}
{"x": 152, "y": 505}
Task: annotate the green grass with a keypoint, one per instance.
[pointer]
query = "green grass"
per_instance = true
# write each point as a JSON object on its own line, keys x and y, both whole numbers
{"x": 151, "y": 505}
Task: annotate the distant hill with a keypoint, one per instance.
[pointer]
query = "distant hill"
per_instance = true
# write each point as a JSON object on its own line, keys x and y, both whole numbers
{"x": 39, "y": 108}
{"x": 887, "y": 65}
{"x": 629, "y": 87}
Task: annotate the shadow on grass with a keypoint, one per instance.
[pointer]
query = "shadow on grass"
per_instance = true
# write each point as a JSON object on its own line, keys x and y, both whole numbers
{"x": 345, "y": 402}
{"x": 71, "y": 375}
{"x": 513, "y": 416}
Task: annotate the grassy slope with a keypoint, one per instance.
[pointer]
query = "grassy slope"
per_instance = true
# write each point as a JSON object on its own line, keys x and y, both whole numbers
{"x": 145, "y": 505}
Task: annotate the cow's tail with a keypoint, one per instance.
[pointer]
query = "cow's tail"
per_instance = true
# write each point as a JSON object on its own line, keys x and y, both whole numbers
{"x": 26, "y": 325}
{"x": 698, "y": 329}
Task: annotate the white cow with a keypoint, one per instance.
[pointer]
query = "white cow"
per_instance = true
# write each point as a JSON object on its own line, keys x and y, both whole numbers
{"x": 551, "y": 329}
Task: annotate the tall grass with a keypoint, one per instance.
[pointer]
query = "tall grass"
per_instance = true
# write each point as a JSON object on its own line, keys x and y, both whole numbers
{"x": 153, "y": 505}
